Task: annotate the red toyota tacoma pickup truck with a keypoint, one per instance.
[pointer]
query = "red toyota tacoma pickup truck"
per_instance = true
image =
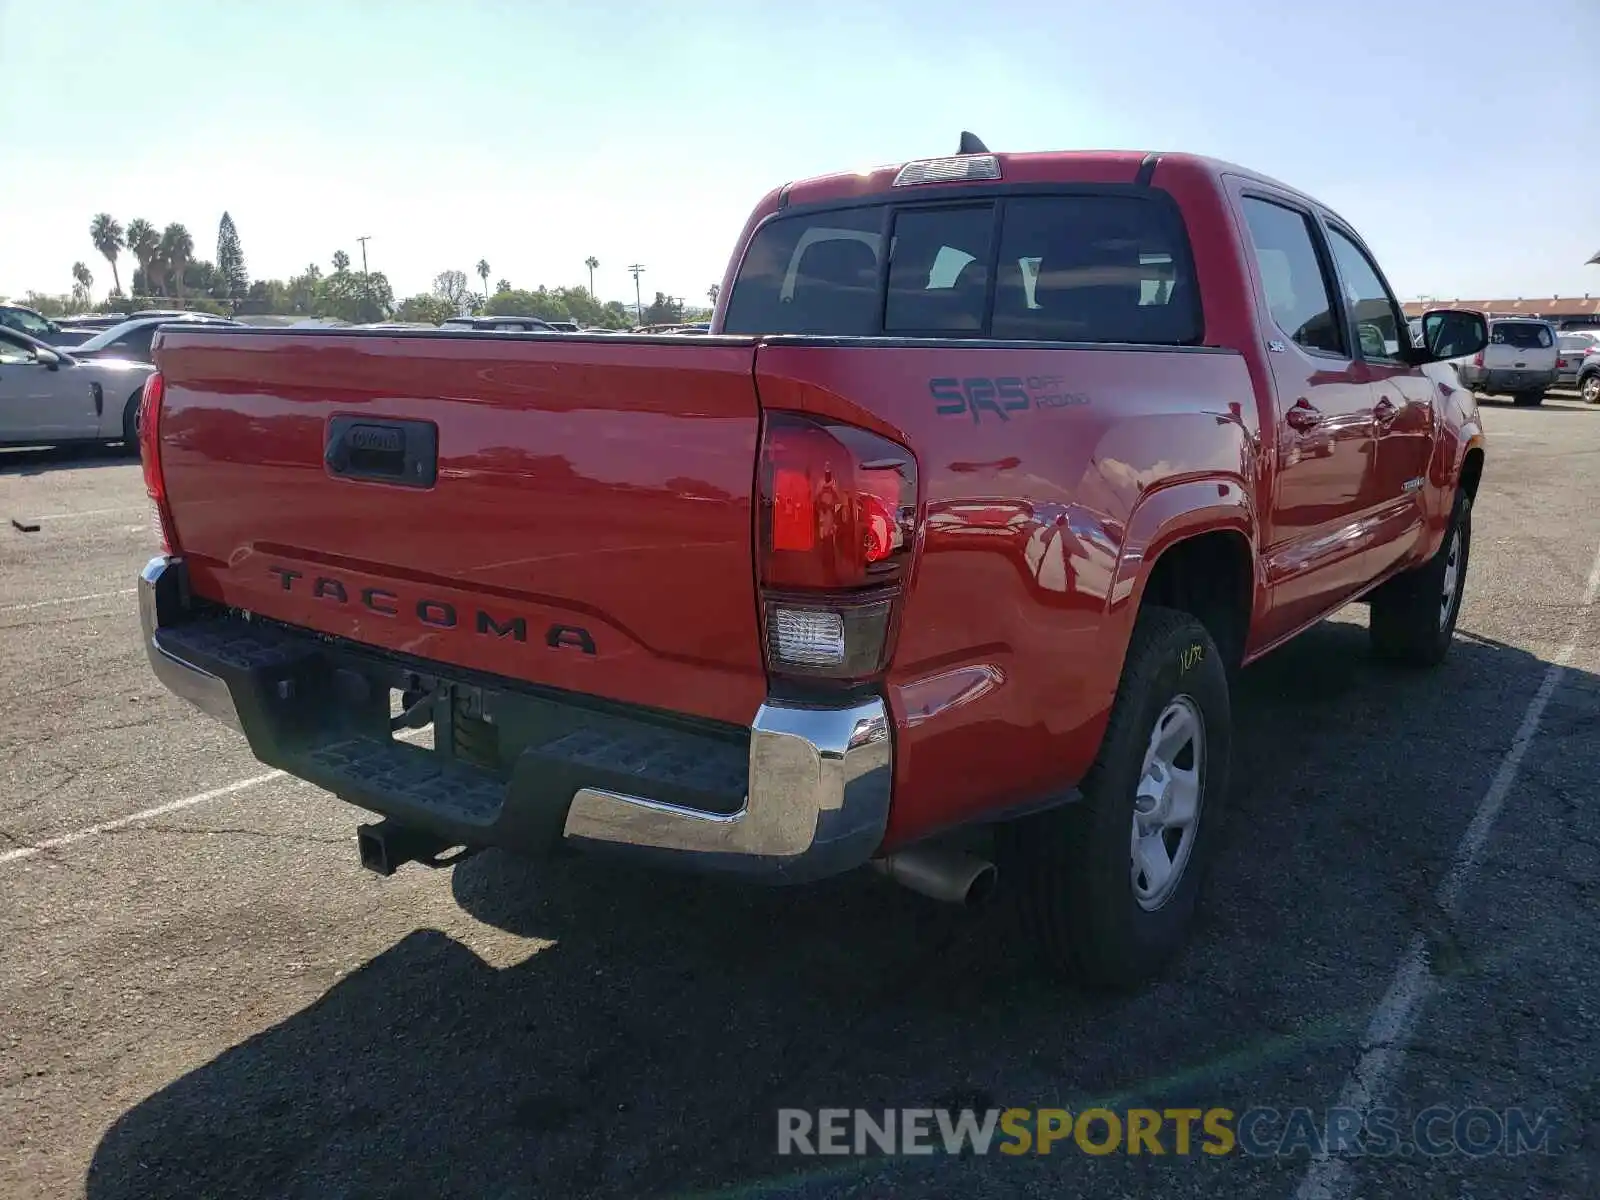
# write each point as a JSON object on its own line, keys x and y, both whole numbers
{"x": 993, "y": 470}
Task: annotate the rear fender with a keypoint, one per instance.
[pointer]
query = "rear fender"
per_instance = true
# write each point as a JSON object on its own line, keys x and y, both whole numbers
{"x": 1162, "y": 518}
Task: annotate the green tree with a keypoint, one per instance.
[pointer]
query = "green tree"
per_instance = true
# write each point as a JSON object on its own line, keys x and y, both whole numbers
{"x": 144, "y": 243}
{"x": 357, "y": 298}
{"x": 432, "y": 309}
{"x": 593, "y": 264}
{"x": 49, "y": 306}
{"x": 341, "y": 261}
{"x": 303, "y": 291}
{"x": 502, "y": 285}
{"x": 106, "y": 233}
{"x": 451, "y": 286}
{"x": 663, "y": 310}
{"x": 232, "y": 278}
{"x": 177, "y": 248}
{"x": 266, "y": 296}
{"x": 202, "y": 277}
{"x": 483, "y": 274}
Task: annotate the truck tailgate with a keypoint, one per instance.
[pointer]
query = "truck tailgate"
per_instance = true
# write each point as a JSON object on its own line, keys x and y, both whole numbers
{"x": 587, "y": 525}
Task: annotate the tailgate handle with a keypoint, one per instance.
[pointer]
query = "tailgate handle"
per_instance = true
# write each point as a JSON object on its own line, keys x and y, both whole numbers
{"x": 403, "y": 452}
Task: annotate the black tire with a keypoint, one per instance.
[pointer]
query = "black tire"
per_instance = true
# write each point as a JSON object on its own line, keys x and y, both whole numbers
{"x": 1589, "y": 388}
{"x": 130, "y": 422}
{"x": 1071, "y": 868}
{"x": 1528, "y": 399}
{"x": 1412, "y": 622}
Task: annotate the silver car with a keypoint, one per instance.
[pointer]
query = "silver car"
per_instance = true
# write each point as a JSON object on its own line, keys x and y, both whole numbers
{"x": 1571, "y": 346}
{"x": 47, "y": 396}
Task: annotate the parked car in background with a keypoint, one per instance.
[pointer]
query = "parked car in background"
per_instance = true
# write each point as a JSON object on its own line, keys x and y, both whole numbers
{"x": 89, "y": 322}
{"x": 563, "y": 326}
{"x": 48, "y": 395}
{"x": 1520, "y": 359}
{"x": 36, "y": 325}
{"x": 500, "y": 324}
{"x": 1588, "y": 380}
{"x": 1571, "y": 347}
{"x": 131, "y": 339}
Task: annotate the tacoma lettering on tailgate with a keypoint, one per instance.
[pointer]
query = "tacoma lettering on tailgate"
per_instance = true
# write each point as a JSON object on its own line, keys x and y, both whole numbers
{"x": 428, "y": 610}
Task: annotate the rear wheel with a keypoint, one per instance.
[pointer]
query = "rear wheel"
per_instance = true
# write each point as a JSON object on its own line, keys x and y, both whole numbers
{"x": 1529, "y": 399}
{"x": 1108, "y": 885}
{"x": 1414, "y": 615}
{"x": 130, "y": 422}
{"x": 1589, "y": 388}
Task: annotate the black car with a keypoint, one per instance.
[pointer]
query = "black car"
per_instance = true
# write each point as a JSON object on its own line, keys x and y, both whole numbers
{"x": 36, "y": 325}
{"x": 131, "y": 339}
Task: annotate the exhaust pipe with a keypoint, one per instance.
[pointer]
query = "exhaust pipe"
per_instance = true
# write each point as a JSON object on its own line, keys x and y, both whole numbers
{"x": 952, "y": 876}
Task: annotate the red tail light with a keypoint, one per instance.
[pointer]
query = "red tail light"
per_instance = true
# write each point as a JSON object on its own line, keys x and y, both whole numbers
{"x": 1477, "y": 359}
{"x": 836, "y": 532}
{"x": 155, "y": 483}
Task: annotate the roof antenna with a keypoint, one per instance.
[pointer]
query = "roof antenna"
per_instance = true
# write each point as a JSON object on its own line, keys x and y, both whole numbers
{"x": 970, "y": 144}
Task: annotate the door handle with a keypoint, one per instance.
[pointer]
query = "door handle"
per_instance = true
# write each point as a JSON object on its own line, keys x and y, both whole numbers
{"x": 1303, "y": 416}
{"x": 1385, "y": 410}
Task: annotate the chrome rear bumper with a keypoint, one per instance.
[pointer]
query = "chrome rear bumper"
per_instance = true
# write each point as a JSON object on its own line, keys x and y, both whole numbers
{"x": 817, "y": 786}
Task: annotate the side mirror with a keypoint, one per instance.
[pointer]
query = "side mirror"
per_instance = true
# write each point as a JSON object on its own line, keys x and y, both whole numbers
{"x": 50, "y": 359}
{"x": 1452, "y": 333}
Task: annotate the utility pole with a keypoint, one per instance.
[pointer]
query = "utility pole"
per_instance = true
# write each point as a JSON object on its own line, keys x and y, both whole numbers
{"x": 636, "y": 270}
{"x": 366, "y": 283}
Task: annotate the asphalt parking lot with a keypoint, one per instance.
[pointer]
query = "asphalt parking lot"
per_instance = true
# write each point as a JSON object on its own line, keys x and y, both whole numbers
{"x": 202, "y": 994}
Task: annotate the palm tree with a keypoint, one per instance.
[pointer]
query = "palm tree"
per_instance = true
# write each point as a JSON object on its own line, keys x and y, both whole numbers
{"x": 177, "y": 251}
{"x": 502, "y": 285}
{"x": 593, "y": 264}
{"x": 713, "y": 292}
{"x": 143, "y": 243}
{"x": 341, "y": 261}
{"x": 106, "y": 234}
{"x": 82, "y": 281}
{"x": 483, "y": 274}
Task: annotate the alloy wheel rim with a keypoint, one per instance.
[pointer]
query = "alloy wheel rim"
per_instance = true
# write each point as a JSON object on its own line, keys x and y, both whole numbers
{"x": 1166, "y": 803}
{"x": 1452, "y": 579}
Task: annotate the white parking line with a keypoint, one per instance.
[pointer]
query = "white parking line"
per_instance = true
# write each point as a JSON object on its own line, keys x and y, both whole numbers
{"x": 90, "y": 512}
{"x": 147, "y": 814}
{"x": 65, "y": 600}
{"x": 1394, "y": 1021}
{"x": 160, "y": 810}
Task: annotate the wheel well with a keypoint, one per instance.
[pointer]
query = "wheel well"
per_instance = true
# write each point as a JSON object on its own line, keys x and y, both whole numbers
{"x": 1472, "y": 472}
{"x": 1208, "y": 576}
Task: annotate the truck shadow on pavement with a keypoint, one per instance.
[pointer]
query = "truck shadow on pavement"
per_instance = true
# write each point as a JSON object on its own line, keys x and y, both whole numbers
{"x": 646, "y": 1048}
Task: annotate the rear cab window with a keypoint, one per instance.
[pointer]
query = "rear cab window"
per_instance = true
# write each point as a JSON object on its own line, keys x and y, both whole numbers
{"x": 1092, "y": 267}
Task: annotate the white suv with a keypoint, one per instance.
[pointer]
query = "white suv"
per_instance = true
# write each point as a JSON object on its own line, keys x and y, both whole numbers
{"x": 1520, "y": 359}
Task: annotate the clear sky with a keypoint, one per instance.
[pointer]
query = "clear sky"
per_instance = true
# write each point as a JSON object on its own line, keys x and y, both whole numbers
{"x": 1458, "y": 138}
